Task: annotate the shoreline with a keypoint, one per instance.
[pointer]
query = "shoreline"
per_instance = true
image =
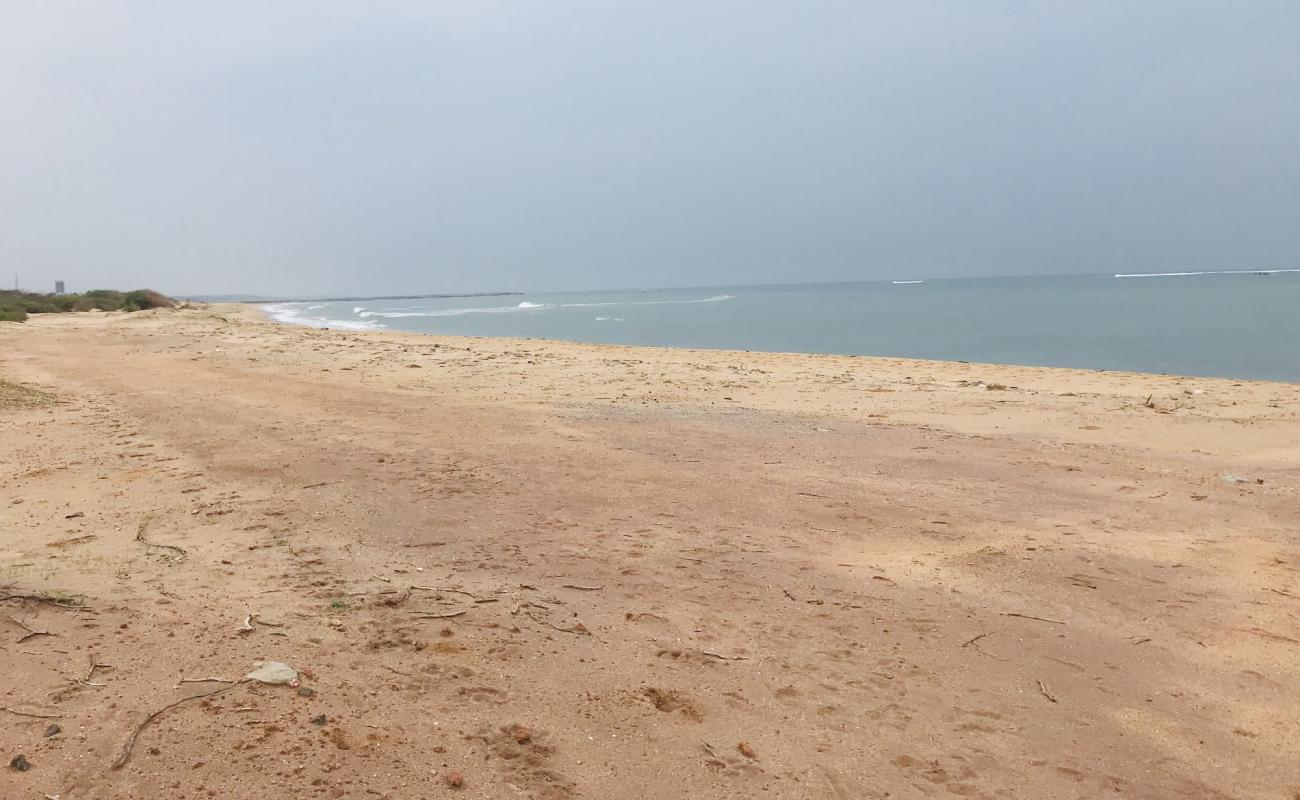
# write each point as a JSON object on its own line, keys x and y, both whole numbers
{"x": 258, "y": 314}
{"x": 533, "y": 562}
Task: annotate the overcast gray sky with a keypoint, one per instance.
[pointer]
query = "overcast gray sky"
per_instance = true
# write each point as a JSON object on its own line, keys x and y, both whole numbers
{"x": 388, "y": 146}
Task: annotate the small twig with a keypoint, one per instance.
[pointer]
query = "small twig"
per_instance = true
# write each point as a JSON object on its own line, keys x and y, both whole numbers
{"x": 712, "y": 752}
{"x": 31, "y": 632}
{"x": 477, "y": 598}
{"x": 825, "y": 530}
{"x": 1027, "y": 616}
{"x": 577, "y": 630}
{"x": 724, "y": 658}
{"x": 448, "y": 615}
{"x": 203, "y": 680}
{"x": 583, "y": 588}
{"x": 688, "y": 558}
{"x": 810, "y": 494}
{"x": 139, "y": 537}
{"x": 972, "y": 641}
{"x": 30, "y": 714}
{"x": 786, "y": 592}
{"x": 90, "y": 673}
{"x": 322, "y": 483}
{"x": 130, "y": 743}
{"x": 1043, "y": 689}
{"x": 65, "y": 603}
{"x": 637, "y": 617}
{"x": 61, "y": 543}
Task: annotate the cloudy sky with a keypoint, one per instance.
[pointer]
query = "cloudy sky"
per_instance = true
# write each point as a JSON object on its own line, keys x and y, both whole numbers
{"x": 388, "y": 146}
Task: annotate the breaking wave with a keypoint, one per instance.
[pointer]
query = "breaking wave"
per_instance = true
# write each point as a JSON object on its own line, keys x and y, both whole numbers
{"x": 293, "y": 315}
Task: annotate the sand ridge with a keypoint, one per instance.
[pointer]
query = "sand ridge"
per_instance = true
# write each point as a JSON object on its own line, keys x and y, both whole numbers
{"x": 566, "y": 570}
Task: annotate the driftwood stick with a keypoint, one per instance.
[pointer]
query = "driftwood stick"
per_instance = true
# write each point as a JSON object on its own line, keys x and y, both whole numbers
{"x": 67, "y": 604}
{"x": 30, "y": 714}
{"x": 577, "y": 630}
{"x": 125, "y": 755}
{"x": 31, "y": 632}
{"x": 724, "y": 658}
{"x": 1028, "y": 616}
{"x": 448, "y": 615}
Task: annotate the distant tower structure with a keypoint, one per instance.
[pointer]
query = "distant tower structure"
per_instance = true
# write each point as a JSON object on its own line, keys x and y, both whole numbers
{"x": 58, "y": 287}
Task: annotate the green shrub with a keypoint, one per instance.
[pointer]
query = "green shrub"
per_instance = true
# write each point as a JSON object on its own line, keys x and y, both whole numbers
{"x": 17, "y": 305}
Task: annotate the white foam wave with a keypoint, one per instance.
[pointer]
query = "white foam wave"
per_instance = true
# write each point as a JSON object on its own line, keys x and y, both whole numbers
{"x": 903, "y": 283}
{"x": 526, "y": 304}
{"x": 1205, "y": 272}
{"x": 292, "y": 314}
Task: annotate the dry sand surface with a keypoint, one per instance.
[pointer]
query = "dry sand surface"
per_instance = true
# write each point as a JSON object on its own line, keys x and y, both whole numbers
{"x": 548, "y": 570}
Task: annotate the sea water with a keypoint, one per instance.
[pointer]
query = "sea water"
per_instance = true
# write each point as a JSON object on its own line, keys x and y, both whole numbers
{"x": 1221, "y": 324}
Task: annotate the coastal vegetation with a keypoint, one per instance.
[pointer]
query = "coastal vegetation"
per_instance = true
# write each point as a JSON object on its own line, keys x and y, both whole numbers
{"x": 16, "y": 305}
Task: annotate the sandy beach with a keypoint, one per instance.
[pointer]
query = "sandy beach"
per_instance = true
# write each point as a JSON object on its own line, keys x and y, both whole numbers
{"x": 548, "y": 570}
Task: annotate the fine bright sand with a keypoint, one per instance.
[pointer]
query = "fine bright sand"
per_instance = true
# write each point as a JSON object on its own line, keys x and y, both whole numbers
{"x": 524, "y": 569}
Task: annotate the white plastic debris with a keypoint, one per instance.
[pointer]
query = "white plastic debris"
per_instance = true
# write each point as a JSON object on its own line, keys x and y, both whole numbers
{"x": 273, "y": 672}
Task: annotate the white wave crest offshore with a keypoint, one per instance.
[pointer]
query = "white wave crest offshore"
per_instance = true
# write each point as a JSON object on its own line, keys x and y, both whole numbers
{"x": 715, "y": 299}
{"x": 454, "y": 312}
{"x": 528, "y": 306}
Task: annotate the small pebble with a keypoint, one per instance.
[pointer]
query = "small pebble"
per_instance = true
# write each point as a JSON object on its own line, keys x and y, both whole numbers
{"x": 319, "y": 719}
{"x": 53, "y": 730}
{"x": 306, "y": 691}
{"x": 455, "y": 779}
{"x": 20, "y": 763}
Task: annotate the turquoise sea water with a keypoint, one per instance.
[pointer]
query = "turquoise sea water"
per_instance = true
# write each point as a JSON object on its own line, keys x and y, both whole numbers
{"x": 1235, "y": 325}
